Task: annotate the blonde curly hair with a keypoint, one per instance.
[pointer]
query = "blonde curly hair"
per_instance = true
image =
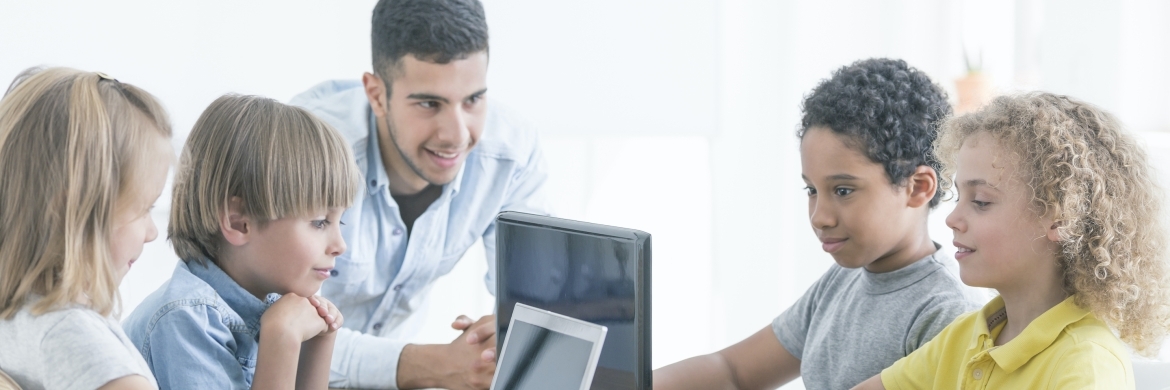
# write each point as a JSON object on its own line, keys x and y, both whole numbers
{"x": 1096, "y": 182}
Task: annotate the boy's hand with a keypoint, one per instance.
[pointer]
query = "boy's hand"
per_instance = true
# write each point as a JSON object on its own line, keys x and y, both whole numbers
{"x": 329, "y": 313}
{"x": 295, "y": 315}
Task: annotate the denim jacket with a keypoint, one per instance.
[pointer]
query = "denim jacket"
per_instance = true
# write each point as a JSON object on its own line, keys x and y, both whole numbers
{"x": 200, "y": 330}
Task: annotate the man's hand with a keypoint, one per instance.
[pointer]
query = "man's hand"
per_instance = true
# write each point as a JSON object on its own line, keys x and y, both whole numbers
{"x": 468, "y": 362}
{"x": 484, "y": 329}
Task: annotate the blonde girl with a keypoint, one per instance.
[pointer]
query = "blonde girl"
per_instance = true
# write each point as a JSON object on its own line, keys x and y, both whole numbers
{"x": 83, "y": 157}
{"x": 1058, "y": 211}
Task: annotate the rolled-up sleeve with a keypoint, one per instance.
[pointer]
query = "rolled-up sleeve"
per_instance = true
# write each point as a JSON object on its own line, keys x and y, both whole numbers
{"x": 365, "y": 361}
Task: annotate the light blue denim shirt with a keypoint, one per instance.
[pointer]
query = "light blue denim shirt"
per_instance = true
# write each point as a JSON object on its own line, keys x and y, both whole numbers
{"x": 200, "y": 330}
{"x": 381, "y": 282}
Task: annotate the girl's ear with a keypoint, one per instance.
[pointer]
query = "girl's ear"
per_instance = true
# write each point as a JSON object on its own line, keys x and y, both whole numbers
{"x": 1052, "y": 232}
{"x": 233, "y": 224}
{"x": 922, "y": 185}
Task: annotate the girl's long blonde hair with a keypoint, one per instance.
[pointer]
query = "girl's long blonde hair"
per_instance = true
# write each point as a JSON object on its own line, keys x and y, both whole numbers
{"x": 1096, "y": 182}
{"x": 72, "y": 145}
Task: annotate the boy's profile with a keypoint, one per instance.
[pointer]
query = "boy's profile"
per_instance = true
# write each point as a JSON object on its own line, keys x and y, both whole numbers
{"x": 871, "y": 178}
{"x": 258, "y": 196}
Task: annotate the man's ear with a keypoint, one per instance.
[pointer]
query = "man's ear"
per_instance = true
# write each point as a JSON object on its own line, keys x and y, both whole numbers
{"x": 921, "y": 185}
{"x": 233, "y": 224}
{"x": 376, "y": 94}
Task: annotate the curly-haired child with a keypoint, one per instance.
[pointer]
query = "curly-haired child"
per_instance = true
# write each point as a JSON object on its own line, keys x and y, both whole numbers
{"x": 865, "y": 152}
{"x": 1058, "y": 211}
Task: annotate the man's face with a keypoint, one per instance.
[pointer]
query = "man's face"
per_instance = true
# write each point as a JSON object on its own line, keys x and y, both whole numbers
{"x": 433, "y": 116}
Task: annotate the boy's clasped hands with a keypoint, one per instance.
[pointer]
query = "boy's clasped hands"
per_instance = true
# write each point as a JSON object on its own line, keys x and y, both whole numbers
{"x": 305, "y": 317}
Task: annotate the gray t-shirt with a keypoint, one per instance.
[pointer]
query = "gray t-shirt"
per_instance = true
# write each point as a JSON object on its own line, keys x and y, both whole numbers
{"x": 853, "y": 323}
{"x": 73, "y": 348}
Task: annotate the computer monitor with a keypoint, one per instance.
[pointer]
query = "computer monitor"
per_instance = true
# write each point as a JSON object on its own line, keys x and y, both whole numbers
{"x": 591, "y": 272}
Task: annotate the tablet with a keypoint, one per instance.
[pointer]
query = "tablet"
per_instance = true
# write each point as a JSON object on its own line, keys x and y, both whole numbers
{"x": 548, "y": 351}
{"x": 587, "y": 271}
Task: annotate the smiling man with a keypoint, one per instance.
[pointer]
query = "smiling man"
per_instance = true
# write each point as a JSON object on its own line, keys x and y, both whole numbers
{"x": 439, "y": 163}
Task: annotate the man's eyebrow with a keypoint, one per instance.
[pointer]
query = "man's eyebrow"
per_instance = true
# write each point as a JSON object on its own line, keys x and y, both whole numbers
{"x": 427, "y": 96}
{"x": 478, "y": 93}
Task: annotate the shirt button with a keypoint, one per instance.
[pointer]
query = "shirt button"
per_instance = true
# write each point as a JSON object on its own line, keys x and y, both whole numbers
{"x": 397, "y": 231}
{"x": 373, "y": 182}
{"x": 397, "y": 287}
{"x": 378, "y": 326}
{"x": 978, "y": 374}
{"x": 333, "y": 272}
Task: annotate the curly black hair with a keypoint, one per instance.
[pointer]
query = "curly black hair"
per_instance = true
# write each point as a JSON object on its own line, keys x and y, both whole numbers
{"x": 887, "y": 109}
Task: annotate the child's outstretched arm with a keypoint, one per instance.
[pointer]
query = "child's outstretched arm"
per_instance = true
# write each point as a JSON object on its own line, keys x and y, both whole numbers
{"x": 316, "y": 354}
{"x": 757, "y": 362}
{"x": 290, "y": 321}
{"x": 873, "y": 383}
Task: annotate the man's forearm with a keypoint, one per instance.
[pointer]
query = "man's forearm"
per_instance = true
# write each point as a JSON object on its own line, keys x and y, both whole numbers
{"x": 423, "y": 366}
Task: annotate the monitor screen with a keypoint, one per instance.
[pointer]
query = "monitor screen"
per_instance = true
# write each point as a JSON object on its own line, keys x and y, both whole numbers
{"x": 588, "y": 275}
{"x": 539, "y": 359}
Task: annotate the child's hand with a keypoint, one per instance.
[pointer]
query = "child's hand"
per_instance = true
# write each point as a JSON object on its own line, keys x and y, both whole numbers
{"x": 328, "y": 312}
{"x": 295, "y": 315}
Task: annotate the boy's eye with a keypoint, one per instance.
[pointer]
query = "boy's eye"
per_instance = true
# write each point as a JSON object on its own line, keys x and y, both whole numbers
{"x": 981, "y": 205}
{"x": 321, "y": 223}
{"x": 428, "y": 104}
{"x": 841, "y": 191}
{"x": 810, "y": 191}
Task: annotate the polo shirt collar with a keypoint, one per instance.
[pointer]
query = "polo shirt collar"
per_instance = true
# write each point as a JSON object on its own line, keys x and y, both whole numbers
{"x": 1037, "y": 336}
{"x": 246, "y": 305}
{"x": 376, "y": 170}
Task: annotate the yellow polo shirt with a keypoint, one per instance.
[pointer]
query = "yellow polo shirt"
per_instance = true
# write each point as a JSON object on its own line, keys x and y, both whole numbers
{"x": 1065, "y": 348}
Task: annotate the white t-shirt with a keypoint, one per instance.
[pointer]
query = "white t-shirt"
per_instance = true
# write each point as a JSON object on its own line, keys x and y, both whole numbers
{"x": 72, "y": 348}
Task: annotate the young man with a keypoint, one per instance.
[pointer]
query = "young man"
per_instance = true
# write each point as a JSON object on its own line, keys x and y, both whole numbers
{"x": 438, "y": 164}
{"x": 871, "y": 178}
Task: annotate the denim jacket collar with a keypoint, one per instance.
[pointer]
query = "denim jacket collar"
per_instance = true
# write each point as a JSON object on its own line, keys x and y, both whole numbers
{"x": 240, "y": 300}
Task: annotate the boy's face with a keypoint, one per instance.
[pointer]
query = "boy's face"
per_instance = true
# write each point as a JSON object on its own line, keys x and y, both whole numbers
{"x": 133, "y": 225}
{"x": 1001, "y": 241}
{"x": 859, "y": 217}
{"x": 293, "y": 254}
{"x": 433, "y": 117}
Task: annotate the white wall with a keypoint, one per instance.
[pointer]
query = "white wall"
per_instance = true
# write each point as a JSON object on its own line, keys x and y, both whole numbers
{"x": 674, "y": 117}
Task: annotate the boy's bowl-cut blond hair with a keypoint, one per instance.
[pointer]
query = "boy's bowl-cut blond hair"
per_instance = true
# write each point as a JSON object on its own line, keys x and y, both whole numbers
{"x": 1096, "y": 182}
{"x": 280, "y": 160}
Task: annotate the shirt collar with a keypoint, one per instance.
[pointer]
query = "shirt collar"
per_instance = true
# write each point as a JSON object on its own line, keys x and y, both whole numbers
{"x": 241, "y": 301}
{"x": 375, "y": 169}
{"x": 1036, "y": 337}
{"x": 887, "y": 282}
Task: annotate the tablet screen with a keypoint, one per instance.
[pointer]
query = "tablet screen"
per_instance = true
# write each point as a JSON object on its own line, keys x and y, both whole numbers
{"x": 541, "y": 359}
{"x": 584, "y": 276}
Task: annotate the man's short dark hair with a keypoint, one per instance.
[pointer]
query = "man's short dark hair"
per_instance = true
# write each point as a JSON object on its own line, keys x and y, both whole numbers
{"x": 437, "y": 31}
{"x": 884, "y": 108}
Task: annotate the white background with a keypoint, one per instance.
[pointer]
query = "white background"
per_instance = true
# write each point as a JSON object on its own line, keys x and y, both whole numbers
{"x": 674, "y": 117}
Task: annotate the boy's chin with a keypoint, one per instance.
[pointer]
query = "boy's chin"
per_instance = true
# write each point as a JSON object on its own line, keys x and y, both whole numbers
{"x": 851, "y": 262}
{"x": 307, "y": 290}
